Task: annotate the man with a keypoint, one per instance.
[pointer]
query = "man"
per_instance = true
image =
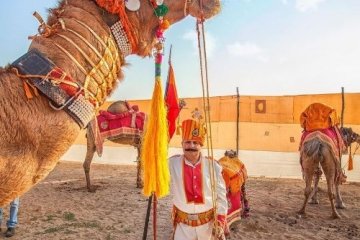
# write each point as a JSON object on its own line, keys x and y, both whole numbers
{"x": 11, "y": 223}
{"x": 193, "y": 209}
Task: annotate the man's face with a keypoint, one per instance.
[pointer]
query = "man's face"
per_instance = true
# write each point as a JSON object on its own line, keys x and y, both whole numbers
{"x": 191, "y": 149}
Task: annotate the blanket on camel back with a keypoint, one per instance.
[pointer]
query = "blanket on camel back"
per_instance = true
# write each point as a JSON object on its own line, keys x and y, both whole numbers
{"x": 319, "y": 120}
{"x": 109, "y": 125}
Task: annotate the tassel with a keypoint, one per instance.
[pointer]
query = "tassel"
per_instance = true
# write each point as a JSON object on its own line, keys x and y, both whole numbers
{"x": 154, "y": 147}
{"x": 28, "y": 92}
{"x": 350, "y": 162}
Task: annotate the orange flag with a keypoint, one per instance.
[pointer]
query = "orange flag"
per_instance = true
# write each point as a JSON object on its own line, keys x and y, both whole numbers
{"x": 172, "y": 102}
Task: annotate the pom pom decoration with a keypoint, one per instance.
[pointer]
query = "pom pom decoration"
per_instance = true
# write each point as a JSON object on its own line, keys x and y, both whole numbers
{"x": 164, "y": 25}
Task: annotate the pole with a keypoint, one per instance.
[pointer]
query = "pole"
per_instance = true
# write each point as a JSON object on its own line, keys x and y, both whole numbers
{"x": 154, "y": 215}
{"x": 342, "y": 106}
{"x": 237, "y": 121}
{"x": 147, "y": 217}
{"x": 342, "y": 114}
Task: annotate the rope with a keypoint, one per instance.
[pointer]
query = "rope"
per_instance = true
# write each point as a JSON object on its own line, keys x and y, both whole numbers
{"x": 206, "y": 105}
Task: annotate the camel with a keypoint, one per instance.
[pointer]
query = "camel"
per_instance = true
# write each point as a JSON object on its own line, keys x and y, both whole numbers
{"x": 77, "y": 38}
{"x": 115, "y": 107}
{"x": 235, "y": 176}
{"x": 316, "y": 153}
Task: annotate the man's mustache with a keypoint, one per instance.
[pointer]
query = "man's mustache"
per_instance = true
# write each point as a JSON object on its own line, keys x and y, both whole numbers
{"x": 191, "y": 150}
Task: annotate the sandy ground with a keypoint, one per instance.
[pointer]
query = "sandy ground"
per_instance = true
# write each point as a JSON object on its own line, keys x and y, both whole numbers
{"x": 61, "y": 208}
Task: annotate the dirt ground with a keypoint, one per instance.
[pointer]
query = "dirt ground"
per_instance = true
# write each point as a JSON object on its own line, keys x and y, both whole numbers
{"x": 61, "y": 208}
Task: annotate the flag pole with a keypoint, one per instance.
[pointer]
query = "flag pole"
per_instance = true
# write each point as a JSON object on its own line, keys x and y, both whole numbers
{"x": 170, "y": 55}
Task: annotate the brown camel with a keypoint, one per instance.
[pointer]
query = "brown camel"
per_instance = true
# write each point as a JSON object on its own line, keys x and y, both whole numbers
{"x": 316, "y": 153}
{"x": 115, "y": 107}
{"x": 76, "y": 38}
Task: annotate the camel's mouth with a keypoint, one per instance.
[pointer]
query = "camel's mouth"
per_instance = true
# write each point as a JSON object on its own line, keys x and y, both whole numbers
{"x": 357, "y": 140}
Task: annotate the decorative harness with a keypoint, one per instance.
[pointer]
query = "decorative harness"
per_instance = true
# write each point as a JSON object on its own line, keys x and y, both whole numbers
{"x": 79, "y": 100}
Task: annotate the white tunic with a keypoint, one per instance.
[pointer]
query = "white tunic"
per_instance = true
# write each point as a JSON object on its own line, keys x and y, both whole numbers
{"x": 193, "y": 195}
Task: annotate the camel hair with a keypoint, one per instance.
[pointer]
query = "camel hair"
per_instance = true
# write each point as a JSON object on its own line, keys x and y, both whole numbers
{"x": 33, "y": 135}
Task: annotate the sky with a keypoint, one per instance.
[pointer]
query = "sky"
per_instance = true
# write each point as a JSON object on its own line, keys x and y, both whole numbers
{"x": 263, "y": 47}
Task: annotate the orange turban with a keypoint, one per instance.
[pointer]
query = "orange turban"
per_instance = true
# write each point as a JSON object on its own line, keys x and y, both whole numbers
{"x": 193, "y": 130}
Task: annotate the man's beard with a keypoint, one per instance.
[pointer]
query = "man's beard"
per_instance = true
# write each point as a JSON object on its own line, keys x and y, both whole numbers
{"x": 191, "y": 150}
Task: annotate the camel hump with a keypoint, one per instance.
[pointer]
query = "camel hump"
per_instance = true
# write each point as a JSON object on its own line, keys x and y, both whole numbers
{"x": 119, "y": 107}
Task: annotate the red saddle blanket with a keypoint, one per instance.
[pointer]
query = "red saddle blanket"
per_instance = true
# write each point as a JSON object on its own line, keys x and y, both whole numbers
{"x": 330, "y": 135}
{"x": 127, "y": 125}
{"x": 333, "y": 138}
{"x": 109, "y": 121}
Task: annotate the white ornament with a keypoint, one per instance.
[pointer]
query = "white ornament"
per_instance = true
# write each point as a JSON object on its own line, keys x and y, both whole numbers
{"x": 159, "y": 2}
{"x": 132, "y": 5}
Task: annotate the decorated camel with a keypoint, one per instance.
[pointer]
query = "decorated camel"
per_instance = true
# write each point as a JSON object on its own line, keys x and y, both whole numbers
{"x": 119, "y": 112}
{"x": 49, "y": 95}
{"x": 235, "y": 177}
{"x": 322, "y": 145}
{"x": 127, "y": 129}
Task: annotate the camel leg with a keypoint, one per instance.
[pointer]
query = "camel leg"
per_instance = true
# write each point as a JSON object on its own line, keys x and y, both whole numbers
{"x": 330, "y": 184}
{"x": 308, "y": 180}
{"x": 329, "y": 168}
{"x": 245, "y": 210}
{"x": 314, "y": 196}
{"x": 139, "y": 182}
{"x": 339, "y": 202}
{"x": 88, "y": 159}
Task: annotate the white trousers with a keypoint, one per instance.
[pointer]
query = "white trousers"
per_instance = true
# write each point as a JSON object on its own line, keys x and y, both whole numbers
{"x": 186, "y": 232}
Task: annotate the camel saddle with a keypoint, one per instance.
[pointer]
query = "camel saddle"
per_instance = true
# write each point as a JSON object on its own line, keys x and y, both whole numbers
{"x": 318, "y": 116}
{"x": 131, "y": 119}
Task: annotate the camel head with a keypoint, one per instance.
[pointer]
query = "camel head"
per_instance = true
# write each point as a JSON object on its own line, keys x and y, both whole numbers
{"x": 144, "y": 17}
{"x": 349, "y": 136}
{"x": 230, "y": 154}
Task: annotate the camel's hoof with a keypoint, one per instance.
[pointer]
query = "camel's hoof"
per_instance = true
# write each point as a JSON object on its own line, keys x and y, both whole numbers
{"x": 314, "y": 201}
{"x": 340, "y": 206}
{"x": 335, "y": 216}
{"x": 301, "y": 212}
{"x": 92, "y": 189}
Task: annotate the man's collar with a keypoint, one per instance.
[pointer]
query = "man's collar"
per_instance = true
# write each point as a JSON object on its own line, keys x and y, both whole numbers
{"x": 187, "y": 162}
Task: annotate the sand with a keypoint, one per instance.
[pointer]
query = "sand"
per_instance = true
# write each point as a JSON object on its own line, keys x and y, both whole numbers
{"x": 61, "y": 208}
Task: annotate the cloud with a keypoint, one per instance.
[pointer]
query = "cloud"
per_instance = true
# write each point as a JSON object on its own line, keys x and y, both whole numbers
{"x": 210, "y": 42}
{"x": 305, "y": 5}
{"x": 284, "y": 1}
{"x": 247, "y": 49}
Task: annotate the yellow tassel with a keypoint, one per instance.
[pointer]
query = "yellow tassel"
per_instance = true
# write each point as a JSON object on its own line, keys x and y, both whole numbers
{"x": 155, "y": 146}
{"x": 350, "y": 163}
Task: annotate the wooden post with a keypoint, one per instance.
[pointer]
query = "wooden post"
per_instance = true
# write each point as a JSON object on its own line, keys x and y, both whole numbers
{"x": 237, "y": 121}
{"x": 342, "y": 106}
